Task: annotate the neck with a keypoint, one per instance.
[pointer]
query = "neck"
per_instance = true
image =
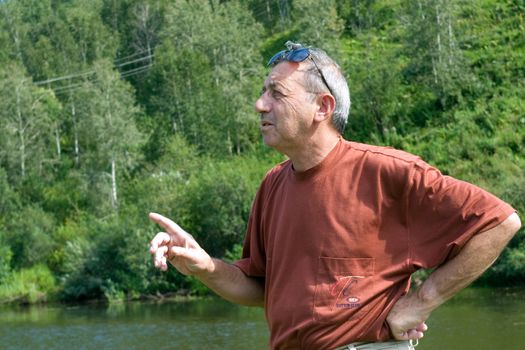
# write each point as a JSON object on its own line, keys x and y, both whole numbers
{"x": 313, "y": 151}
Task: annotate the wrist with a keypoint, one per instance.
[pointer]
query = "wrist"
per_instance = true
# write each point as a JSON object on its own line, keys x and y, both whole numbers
{"x": 208, "y": 270}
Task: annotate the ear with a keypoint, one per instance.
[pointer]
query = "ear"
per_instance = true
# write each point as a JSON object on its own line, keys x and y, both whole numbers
{"x": 326, "y": 103}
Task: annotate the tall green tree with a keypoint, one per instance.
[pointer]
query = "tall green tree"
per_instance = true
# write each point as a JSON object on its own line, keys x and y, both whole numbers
{"x": 15, "y": 29}
{"x": 25, "y": 120}
{"x": 274, "y": 15}
{"x": 28, "y": 233}
{"x": 208, "y": 72}
{"x": 431, "y": 44}
{"x": 374, "y": 77}
{"x": 317, "y": 23}
{"x": 107, "y": 129}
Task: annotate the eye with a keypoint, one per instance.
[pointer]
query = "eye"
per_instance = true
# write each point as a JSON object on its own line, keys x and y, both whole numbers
{"x": 277, "y": 94}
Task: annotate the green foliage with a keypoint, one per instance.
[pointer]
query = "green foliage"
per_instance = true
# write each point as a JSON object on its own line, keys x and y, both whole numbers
{"x": 9, "y": 200}
{"x": 5, "y": 261}
{"x": 317, "y": 23}
{"x": 204, "y": 83}
{"x": 25, "y": 124}
{"x": 113, "y": 109}
{"x": 218, "y": 204}
{"x": 233, "y": 254}
{"x": 30, "y": 285}
{"x": 509, "y": 266}
{"x": 197, "y": 287}
{"x": 95, "y": 264}
{"x": 377, "y": 86}
{"x": 29, "y": 235}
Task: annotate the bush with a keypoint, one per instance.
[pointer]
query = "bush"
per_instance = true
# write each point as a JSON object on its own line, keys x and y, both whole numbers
{"x": 5, "y": 261}
{"x": 34, "y": 284}
{"x": 29, "y": 235}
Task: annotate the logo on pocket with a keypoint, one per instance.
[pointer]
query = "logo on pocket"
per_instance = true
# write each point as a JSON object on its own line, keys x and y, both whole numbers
{"x": 342, "y": 290}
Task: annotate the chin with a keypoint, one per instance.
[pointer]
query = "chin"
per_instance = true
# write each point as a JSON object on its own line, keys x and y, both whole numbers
{"x": 268, "y": 141}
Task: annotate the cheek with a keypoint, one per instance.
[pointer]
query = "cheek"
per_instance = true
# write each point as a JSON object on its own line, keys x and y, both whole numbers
{"x": 291, "y": 107}
{"x": 286, "y": 113}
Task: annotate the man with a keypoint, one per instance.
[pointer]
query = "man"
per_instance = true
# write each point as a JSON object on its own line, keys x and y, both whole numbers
{"x": 336, "y": 231}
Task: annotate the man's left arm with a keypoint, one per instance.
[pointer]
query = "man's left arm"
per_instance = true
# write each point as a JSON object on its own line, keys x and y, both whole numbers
{"x": 407, "y": 317}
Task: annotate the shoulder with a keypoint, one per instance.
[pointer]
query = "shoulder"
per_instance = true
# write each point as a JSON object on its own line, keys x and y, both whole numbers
{"x": 387, "y": 160}
{"x": 383, "y": 154}
{"x": 390, "y": 168}
{"x": 277, "y": 170}
{"x": 275, "y": 174}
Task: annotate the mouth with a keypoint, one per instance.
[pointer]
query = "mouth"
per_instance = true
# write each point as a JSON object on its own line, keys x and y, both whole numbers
{"x": 265, "y": 123}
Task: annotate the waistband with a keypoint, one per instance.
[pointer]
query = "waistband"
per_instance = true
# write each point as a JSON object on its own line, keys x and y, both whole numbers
{"x": 390, "y": 345}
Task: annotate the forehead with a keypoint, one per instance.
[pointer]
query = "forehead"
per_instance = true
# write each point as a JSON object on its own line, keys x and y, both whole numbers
{"x": 285, "y": 74}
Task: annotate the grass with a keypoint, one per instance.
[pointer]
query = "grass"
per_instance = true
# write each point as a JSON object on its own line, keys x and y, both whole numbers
{"x": 28, "y": 286}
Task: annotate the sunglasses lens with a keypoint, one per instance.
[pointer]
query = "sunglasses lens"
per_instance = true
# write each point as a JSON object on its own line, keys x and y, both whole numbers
{"x": 298, "y": 55}
{"x": 277, "y": 57}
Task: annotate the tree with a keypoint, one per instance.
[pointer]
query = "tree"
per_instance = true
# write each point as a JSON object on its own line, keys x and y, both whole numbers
{"x": 433, "y": 49}
{"x": 108, "y": 132}
{"x": 28, "y": 233}
{"x": 316, "y": 23}
{"x": 274, "y": 15}
{"x": 205, "y": 73}
{"x": 93, "y": 39}
{"x": 375, "y": 80}
{"x": 15, "y": 28}
{"x": 24, "y": 121}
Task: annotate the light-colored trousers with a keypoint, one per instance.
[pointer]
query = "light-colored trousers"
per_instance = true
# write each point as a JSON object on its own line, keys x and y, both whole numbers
{"x": 389, "y": 345}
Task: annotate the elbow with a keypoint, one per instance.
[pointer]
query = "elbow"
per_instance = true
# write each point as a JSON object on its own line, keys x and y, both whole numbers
{"x": 512, "y": 224}
{"x": 515, "y": 223}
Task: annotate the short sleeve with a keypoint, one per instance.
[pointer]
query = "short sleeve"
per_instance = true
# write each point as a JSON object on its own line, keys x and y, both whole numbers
{"x": 444, "y": 213}
{"x": 253, "y": 260}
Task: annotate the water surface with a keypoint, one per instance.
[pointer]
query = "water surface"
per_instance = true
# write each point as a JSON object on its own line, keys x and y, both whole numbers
{"x": 473, "y": 320}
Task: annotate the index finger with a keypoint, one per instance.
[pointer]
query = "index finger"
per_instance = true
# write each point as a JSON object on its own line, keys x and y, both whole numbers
{"x": 170, "y": 226}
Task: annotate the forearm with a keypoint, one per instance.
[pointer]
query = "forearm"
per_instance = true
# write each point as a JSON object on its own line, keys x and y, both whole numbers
{"x": 232, "y": 284}
{"x": 477, "y": 255}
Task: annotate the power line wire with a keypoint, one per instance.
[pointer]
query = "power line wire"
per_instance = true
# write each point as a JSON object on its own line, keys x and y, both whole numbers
{"x": 70, "y": 76}
{"x": 89, "y": 72}
{"x": 135, "y": 71}
{"x": 129, "y": 56}
{"x": 134, "y": 61}
{"x": 72, "y": 87}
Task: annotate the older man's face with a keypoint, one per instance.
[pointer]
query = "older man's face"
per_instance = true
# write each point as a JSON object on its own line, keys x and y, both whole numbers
{"x": 286, "y": 109}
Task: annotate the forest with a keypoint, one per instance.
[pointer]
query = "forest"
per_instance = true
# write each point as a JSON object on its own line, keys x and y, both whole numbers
{"x": 111, "y": 109}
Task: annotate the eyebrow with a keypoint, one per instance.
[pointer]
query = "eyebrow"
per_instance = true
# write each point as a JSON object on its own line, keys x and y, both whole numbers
{"x": 275, "y": 85}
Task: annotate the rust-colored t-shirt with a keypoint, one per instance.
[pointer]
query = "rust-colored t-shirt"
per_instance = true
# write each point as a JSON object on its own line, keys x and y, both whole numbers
{"x": 336, "y": 244}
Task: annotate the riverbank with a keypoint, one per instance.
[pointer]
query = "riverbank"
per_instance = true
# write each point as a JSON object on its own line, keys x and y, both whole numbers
{"x": 37, "y": 286}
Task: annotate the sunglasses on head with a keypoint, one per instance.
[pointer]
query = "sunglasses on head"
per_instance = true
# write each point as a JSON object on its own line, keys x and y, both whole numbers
{"x": 297, "y": 55}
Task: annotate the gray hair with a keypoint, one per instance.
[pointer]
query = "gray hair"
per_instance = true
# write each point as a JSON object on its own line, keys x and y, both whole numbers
{"x": 321, "y": 63}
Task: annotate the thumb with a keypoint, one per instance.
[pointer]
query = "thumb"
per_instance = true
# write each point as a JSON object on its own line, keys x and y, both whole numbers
{"x": 192, "y": 255}
{"x": 179, "y": 252}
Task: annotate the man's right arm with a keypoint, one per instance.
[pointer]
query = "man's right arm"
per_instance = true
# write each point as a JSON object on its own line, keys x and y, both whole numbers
{"x": 180, "y": 249}
{"x": 232, "y": 284}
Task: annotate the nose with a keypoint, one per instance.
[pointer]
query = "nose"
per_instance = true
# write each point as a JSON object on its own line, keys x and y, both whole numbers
{"x": 262, "y": 105}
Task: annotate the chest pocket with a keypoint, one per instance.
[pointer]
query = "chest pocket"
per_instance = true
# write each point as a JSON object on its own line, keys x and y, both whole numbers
{"x": 344, "y": 287}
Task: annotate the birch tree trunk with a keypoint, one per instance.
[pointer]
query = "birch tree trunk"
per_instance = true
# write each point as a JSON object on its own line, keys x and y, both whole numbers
{"x": 75, "y": 133}
{"x": 21, "y": 134}
{"x": 114, "y": 199}
{"x": 57, "y": 140}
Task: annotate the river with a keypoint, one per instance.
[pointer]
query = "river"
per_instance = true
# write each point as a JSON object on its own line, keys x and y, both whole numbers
{"x": 476, "y": 319}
